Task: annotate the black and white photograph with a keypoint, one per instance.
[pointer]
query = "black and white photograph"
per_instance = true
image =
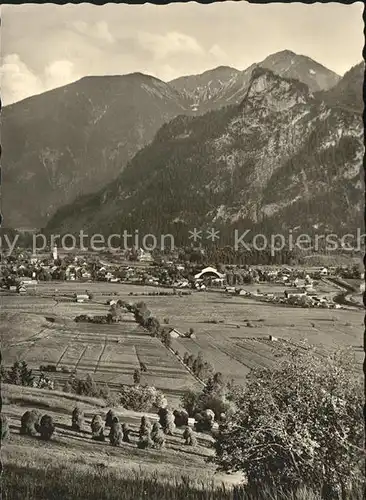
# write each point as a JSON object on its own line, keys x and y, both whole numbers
{"x": 182, "y": 251}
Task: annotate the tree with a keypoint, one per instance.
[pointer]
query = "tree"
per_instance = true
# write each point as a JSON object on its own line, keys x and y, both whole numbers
{"x": 3, "y": 374}
{"x": 90, "y": 387}
{"x": 46, "y": 427}
{"x": 189, "y": 402}
{"x": 166, "y": 338}
{"x": 205, "y": 420}
{"x": 140, "y": 397}
{"x": 4, "y": 428}
{"x": 180, "y": 418}
{"x": 299, "y": 424}
{"x": 136, "y": 376}
{"x": 14, "y": 375}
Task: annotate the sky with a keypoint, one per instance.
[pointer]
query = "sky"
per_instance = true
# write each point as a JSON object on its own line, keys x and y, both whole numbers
{"x": 46, "y": 46}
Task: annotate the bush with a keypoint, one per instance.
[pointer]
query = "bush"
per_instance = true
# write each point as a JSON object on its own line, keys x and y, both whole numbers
{"x": 143, "y": 367}
{"x": 116, "y": 435}
{"x": 300, "y": 424}
{"x": 205, "y": 421}
{"x": 97, "y": 428}
{"x": 157, "y": 436}
{"x": 189, "y": 402}
{"x": 19, "y": 374}
{"x": 180, "y": 418}
{"x": 140, "y": 397}
{"x": 109, "y": 418}
{"x": 5, "y": 431}
{"x": 87, "y": 387}
{"x": 46, "y": 427}
{"x": 77, "y": 419}
{"x": 166, "y": 419}
{"x": 29, "y": 423}
{"x": 189, "y": 437}
{"x": 126, "y": 433}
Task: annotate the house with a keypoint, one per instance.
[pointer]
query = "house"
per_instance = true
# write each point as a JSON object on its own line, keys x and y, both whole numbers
{"x": 144, "y": 256}
{"x": 81, "y": 297}
{"x": 324, "y": 272}
{"x": 28, "y": 281}
{"x": 209, "y": 272}
{"x": 295, "y": 292}
{"x": 22, "y": 290}
{"x": 174, "y": 333}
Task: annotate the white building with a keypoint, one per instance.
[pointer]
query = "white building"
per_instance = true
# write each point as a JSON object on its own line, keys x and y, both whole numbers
{"x": 54, "y": 253}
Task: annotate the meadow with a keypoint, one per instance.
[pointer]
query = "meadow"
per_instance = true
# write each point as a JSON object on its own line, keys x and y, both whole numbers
{"x": 83, "y": 455}
{"x": 232, "y": 333}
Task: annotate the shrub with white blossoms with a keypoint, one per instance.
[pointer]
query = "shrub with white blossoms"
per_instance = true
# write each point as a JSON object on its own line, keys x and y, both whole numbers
{"x": 141, "y": 397}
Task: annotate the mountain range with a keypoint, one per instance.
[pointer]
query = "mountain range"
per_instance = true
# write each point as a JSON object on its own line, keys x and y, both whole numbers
{"x": 224, "y": 85}
{"x": 73, "y": 140}
{"x": 279, "y": 159}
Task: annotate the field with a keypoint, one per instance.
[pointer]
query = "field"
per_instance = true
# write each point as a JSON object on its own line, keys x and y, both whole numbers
{"x": 235, "y": 343}
{"x": 82, "y": 454}
{"x": 232, "y": 332}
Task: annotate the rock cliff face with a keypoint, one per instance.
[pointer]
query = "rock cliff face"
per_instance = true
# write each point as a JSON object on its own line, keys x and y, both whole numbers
{"x": 281, "y": 158}
{"x": 73, "y": 140}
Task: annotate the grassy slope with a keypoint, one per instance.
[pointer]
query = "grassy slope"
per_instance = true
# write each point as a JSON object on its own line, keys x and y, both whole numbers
{"x": 82, "y": 454}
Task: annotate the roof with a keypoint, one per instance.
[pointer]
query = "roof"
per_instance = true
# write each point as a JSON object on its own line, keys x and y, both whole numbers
{"x": 210, "y": 270}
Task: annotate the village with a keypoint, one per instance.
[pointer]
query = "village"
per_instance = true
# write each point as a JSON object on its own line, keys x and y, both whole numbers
{"x": 292, "y": 285}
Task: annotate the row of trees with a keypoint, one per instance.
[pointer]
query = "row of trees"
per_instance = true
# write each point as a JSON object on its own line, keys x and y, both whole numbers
{"x": 201, "y": 368}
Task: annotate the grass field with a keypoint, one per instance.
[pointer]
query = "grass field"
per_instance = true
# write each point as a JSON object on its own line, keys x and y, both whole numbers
{"x": 112, "y": 352}
{"x": 83, "y": 454}
{"x": 40, "y": 329}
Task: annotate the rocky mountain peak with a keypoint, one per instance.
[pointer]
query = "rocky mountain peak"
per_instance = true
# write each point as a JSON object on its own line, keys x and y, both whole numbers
{"x": 267, "y": 89}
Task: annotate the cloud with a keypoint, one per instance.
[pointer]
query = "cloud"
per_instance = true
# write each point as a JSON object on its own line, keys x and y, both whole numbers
{"x": 217, "y": 52}
{"x": 98, "y": 30}
{"x": 166, "y": 73}
{"x": 59, "y": 73}
{"x": 18, "y": 81}
{"x": 171, "y": 43}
